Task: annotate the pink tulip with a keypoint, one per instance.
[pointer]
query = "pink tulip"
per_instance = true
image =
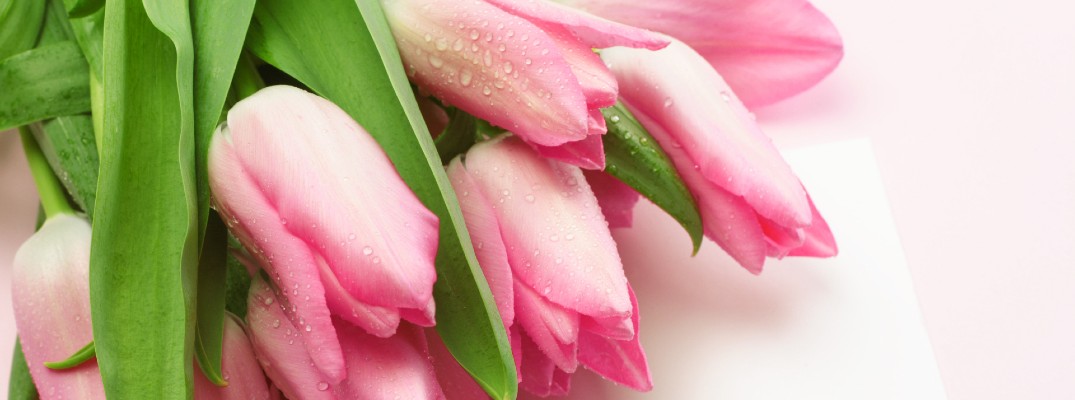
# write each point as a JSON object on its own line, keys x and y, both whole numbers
{"x": 50, "y": 294}
{"x": 397, "y": 367}
{"x": 245, "y": 379}
{"x": 527, "y": 66}
{"x": 752, "y": 204}
{"x": 767, "y": 50}
{"x": 324, "y": 212}
{"x": 617, "y": 200}
{"x": 552, "y": 265}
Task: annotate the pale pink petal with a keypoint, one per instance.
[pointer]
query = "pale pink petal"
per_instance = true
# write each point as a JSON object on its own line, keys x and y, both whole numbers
{"x": 330, "y": 184}
{"x": 623, "y": 362}
{"x": 618, "y": 328}
{"x": 537, "y": 369}
{"x": 617, "y": 200}
{"x": 678, "y": 90}
{"x": 378, "y": 321}
{"x": 455, "y": 381}
{"x": 239, "y": 367}
{"x": 558, "y": 241}
{"x": 50, "y": 292}
{"x": 484, "y": 233}
{"x": 726, "y": 218}
{"x": 594, "y": 31}
{"x": 588, "y": 153}
{"x": 279, "y": 347}
{"x": 553, "y": 329}
{"x": 819, "y": 240}
{"x": 492, "y": 64}
{"x": 425, "y": 317}
{"x": 392, "y": 368}
{"x": 596, "y": 80}
{"x": 767, "y": 50}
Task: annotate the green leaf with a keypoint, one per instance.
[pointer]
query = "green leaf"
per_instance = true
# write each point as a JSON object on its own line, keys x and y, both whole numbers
{"x": 20, "y": 384}
{"x": 82, "y": 8}
{"x": 89, "y": 33}
{"x": 144, "y": 252}
{"x": 458, "y": 136}
{"x": 69, "y": 146}
{"x": 632, "y": 156}
{"x": 20, "y": 22}
{"x": 84, "y": 354}
{"x": 358, "y": 68}
{"x": 212, "y": 281}
{"x": 218, "y": 27}
{"x": 55, "y": 27}
{"x": 238, "y": 283}
{"x": 42, "y": 83}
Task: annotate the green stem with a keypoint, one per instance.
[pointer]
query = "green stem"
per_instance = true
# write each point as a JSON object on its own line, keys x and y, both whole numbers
{"x": 48, "y": 187}
{"x": 247, "y": 80}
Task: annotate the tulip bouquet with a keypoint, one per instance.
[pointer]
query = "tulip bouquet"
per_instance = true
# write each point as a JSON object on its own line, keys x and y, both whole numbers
{"x": 381, "y": 199}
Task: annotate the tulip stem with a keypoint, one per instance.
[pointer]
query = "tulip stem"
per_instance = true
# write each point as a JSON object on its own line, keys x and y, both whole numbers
{"x": 52, "y": 194}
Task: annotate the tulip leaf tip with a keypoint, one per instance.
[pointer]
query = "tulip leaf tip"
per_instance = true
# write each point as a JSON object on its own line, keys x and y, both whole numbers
{"x": 82, "y": 355}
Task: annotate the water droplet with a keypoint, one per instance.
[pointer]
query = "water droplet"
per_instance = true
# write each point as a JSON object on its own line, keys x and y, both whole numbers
{"x": 474, "y": 34}
{"x": 458, "y": 45}
{"x": 554, "y": 238}
{"x": 429, "y": 38}
{"x": 309, "y": 328}
{"x": 367, "y": 250}
{"x": 725, "y": 96}
{"x": 547, "y": 290}
{"x": 529, "y": 198}
{"x": 351, "y": 236}
{"x": 668, "y": 102}
{"x": 569, "y": 236}
{"x": 487, "y": 90}
{"x": 322, "y": 386}
{"x": 435, "y": 61}
{"x": 441, "y": 44}
{"x": 268, "y": 301}
{"x": 276, "y": 323}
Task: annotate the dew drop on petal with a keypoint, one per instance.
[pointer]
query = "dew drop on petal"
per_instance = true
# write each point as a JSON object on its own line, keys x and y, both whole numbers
{"x": 367, "y": 250}
{"x": 322, "y": 386}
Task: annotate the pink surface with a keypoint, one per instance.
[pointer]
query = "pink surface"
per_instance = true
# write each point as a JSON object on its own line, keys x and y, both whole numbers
{"x": 969, "y": 106}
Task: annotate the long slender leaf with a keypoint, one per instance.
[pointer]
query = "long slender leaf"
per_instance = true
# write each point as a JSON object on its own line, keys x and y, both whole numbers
{"x": 143, "y": 256}
{"x": 89, "y": 33}
{"x": 358, "y": 68}
{"x": 54, "y": 28}
{"x": 632, "y": 156}
{"x": 20, "y": 385}
{"x": 212, "y": 283}
{"x": 20, "y": 22}
{"x": 45, "y": 82}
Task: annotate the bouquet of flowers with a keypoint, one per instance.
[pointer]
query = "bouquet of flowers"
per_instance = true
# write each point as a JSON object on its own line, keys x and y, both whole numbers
{"x": 381, "y": 199}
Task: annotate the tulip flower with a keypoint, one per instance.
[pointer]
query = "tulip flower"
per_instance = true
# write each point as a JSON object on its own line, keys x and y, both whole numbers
{"x": 527, "y": 66}
{"x": 752, "y": 204}
{"x": 241, "y": 370}
{"x": 323, "y": 211}
{"x": 617, "y": 200}
{"x": 766, "y": 50}
{"x": 397, "y": 367}
{"x": 50, "y": 290}
{"x": 552, "y": 265}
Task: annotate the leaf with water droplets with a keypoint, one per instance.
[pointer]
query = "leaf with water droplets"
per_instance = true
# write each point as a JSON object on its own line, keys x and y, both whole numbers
{"x": 69, "y": 145}
{"x": 371, "y": 85}
{"x": 632, "y": 156}
{"x": 212, "y": 286}
{"x": 42, "y": 83}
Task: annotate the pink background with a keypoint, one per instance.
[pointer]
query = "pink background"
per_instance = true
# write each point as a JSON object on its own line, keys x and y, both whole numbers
{"x": 970, "y": 106}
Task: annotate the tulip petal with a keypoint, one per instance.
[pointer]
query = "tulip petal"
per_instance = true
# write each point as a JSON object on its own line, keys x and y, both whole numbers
{"x": 819, "y": 240}
{"x": 617, "y": 328}
{"x": 331, "y": 185}
{"x": 424, "y": 317}
{"x": 391, "y": 368}
{"x": 279, "y": 347}
{"x": 595, "y": 31}
{"x": 623, "y": 362}
{"x": 780, "y": 240}
{"x": 700, "y": 112}
{"x": 455, "y": 381}
{"x": 597, "y": 82}
{"x": 492, "y": 64}
{"x": 767, "y": 50}
{"x": 588, "y": 153}
{"x": 726, "y": 218}
{"x": 617, "y": 200}
{"x": 485, "y": 235}
{"x": 554, "y": 329}
{"x": 538, "y": 370}
{"x": 245, "y": 379}
{"x": 559, "y": 243}
{"x": 50, "y": 295}
{"x": 378, "y": 321}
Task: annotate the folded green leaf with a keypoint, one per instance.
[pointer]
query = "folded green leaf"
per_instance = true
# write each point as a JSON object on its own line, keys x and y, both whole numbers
{"x": 55, "y": 27}
{"x": 69, "y": 145}
{"x": 45, "y": 82}
{"x": 82, "y": 8}
{"x": 20, "y": 385}
{"x": 89, "y": 33}
{"x": 359, "y": 69}
{"x": 632, "y": 156}
{"x": 20, "y": 22}
{"x": 144, "y": 255}
{"x": 84, "y": 354}
{"x": 212, "y": 283}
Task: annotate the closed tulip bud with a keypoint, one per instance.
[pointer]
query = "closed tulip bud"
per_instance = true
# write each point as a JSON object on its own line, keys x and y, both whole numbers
{"x": 525, "y": 66}
{"x": 50, "y": 294}
{"x": 397, "y": 367}
{"x": 751, "y": 203}
{"x": 239, "y": 367}
{"x": 322, "y": 210}
{"x": 552, "y": 265}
